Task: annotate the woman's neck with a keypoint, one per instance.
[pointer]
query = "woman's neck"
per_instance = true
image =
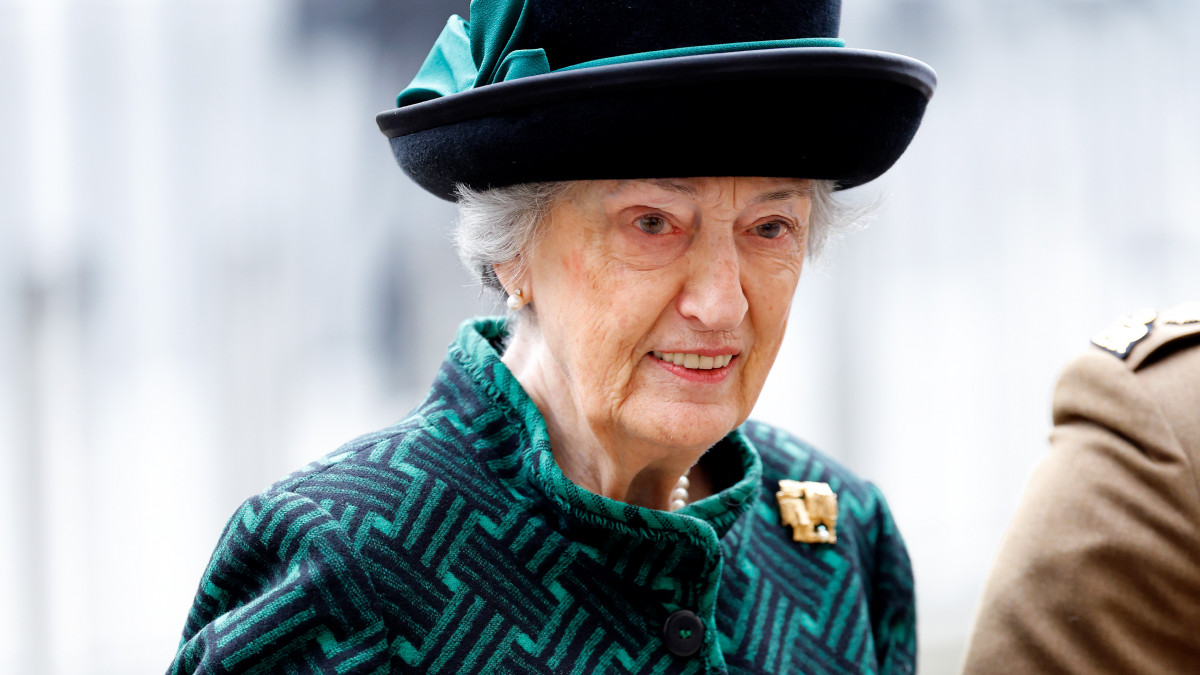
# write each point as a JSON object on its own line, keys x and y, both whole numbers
{"x": 593, "y": 454}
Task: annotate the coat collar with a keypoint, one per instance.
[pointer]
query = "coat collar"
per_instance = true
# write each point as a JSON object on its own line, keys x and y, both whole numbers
{"x": 531, "y": 466}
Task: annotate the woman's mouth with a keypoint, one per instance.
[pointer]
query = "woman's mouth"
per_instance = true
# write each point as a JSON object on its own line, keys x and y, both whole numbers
{"x": 695, "y": 361}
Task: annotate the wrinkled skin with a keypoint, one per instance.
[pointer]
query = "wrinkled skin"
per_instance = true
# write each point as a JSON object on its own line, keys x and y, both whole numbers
{"x": 631, "y": 267}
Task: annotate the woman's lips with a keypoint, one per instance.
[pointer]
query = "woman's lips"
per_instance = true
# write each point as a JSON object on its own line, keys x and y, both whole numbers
{"x": 696, "y": 367}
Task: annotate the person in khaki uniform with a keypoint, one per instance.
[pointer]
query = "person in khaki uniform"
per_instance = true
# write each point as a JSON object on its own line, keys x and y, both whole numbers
{"x": 1099, "y": 571}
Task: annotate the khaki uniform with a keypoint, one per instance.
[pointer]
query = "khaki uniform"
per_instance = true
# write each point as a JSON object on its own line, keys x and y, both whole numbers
{"x": 1099, "y": 571}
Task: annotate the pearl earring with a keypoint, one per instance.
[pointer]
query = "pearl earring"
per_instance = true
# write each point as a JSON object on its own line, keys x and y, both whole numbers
{"x": 515, "y": 301}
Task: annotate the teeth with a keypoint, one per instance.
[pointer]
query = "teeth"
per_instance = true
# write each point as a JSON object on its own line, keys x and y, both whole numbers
{"x": 695, "y": 361}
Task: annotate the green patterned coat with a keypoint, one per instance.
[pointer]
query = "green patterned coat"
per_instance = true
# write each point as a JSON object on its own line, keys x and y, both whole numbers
{"x": 452, "y": 543}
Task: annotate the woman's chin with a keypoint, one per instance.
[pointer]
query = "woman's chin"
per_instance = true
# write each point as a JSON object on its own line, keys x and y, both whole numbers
{"x": 685, "y": 425}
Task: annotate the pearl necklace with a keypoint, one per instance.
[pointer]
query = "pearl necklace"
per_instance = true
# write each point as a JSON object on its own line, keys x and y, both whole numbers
{"x": 679, "y": 496}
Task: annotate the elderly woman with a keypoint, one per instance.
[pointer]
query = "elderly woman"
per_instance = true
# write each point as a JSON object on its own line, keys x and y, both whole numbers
{"x": 580, "y": 492}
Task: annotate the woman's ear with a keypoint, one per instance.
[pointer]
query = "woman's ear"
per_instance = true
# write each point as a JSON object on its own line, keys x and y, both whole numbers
{"x": 509, "y": 274}
{"x": 511, "y": 278}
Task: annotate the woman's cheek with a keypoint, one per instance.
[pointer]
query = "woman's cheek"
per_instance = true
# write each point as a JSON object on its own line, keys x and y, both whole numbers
{"x": 576, "y": 277}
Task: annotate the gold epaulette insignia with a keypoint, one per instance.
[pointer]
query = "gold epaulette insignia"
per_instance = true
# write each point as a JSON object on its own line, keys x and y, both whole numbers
{"x": 811, "y": 509}
{"x": 1125, "y": 332}
{"x": 1188, "y": 312}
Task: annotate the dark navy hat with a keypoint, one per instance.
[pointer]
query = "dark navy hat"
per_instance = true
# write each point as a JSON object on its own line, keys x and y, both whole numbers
{"x": 543, "y": 90}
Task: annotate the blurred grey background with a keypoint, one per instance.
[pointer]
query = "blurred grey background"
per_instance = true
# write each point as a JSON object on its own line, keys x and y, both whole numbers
{"x": 211, "y": 272}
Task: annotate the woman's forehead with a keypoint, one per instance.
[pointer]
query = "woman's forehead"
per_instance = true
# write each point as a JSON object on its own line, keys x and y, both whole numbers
{"x": 733, "y": 190}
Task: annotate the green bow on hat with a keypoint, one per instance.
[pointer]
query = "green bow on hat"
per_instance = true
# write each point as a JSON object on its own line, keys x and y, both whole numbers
{"x": 479, "y": 52}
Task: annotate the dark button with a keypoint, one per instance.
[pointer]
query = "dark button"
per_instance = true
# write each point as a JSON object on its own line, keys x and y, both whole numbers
{"x": 684, "y": 633}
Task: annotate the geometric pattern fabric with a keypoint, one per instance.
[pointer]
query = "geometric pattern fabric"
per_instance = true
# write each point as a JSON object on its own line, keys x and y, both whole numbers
{"x": 451, "y": 543}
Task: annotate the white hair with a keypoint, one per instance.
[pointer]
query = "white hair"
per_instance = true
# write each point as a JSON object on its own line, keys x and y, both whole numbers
{"x": 500, "y": 224}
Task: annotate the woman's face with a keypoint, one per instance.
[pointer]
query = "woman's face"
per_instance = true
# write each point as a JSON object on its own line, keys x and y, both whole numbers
{"x": 662, "y": 303}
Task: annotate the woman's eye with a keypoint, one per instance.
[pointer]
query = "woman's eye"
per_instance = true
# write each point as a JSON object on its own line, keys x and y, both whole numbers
{"x": 651, "y": 224}
{"x": 771, "y": 230}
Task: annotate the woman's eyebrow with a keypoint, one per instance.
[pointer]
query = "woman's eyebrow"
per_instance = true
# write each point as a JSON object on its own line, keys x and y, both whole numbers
{"x": 782, "y": 195}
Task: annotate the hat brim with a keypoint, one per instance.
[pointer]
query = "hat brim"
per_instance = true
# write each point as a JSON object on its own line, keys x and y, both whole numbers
{"x": 825, "y": 113}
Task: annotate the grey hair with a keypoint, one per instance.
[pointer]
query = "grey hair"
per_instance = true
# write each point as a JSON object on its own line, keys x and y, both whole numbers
{"x": 500, "y": 224}
{"x": 829, "y": 216}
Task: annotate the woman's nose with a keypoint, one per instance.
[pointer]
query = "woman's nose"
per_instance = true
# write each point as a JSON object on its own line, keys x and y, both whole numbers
{"x": 713, "y": 296}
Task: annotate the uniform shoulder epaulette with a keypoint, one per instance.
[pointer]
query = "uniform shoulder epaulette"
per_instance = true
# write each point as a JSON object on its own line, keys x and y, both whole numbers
{"x": 1144, "y": 332}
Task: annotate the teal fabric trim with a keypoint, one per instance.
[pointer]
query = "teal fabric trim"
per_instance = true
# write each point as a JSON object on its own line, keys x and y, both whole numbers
{"x": 709, "y": 49}
{"x": 449, "y": 66}
{"x": 472, "y": 54}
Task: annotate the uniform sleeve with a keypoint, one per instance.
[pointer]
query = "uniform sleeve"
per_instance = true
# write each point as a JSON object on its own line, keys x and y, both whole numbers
{"x": 1098, "y": 570}
{"x": 284, "y": 592}
{"x": 893, "y": 605}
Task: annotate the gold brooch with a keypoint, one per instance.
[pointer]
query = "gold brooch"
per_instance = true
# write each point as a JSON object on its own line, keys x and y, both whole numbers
{"x": 811, "y": 509}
